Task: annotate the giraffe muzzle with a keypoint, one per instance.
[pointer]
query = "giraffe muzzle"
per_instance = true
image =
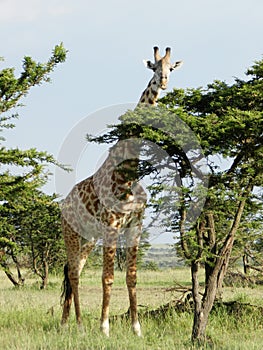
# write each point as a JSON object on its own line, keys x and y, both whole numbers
{"x": 163, "y": 83}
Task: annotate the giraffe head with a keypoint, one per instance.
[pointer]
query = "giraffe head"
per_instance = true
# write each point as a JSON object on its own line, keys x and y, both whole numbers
{"x": 162, "y": 67}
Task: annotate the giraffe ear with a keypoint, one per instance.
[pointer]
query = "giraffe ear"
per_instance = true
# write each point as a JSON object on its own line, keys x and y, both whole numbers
{"x": 149, "y": 64}
{"x": 176, "y": 65}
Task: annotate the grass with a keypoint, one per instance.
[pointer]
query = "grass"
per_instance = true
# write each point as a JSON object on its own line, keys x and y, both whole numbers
{"x": 30, "y": 318}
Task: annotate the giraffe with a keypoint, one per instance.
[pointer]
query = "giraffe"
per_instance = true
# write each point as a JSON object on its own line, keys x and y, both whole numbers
{"x": 108, "y": 203}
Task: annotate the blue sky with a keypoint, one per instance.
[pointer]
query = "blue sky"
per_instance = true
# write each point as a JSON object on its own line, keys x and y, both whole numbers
{"x": 107, "y": 41}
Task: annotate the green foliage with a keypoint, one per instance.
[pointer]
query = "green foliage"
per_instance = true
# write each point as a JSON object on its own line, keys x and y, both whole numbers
{"x": 40, "y": 230}
{"x": 33, "y": 73}
{"x": 228, "y": 120}
{"x": 150, "y": 265}
{"x": 29, "y": 220}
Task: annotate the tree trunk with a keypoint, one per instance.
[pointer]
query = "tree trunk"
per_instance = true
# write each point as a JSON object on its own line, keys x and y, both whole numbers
{"x": 214, "y": 277}
{"x": 21, "y": 279}
{"x": 223, "y": 270}
{"x": 199, "y": 326}
{"x": 9, "y": 274}
{"x": 202, "y": 307}
{"x": 121, "y": 258}
{"x": 45, "y": 275}
{"x": 246, "y": 264}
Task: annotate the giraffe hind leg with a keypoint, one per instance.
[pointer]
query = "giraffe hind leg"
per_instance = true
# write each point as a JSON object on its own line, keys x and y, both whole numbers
{"x": 73, "y": 278}
{"x": 131, "y": 285}
{"x": 72, "y": 273}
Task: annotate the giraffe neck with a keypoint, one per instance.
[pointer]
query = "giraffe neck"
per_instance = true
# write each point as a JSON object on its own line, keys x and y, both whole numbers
{"x": 151, "y": 94}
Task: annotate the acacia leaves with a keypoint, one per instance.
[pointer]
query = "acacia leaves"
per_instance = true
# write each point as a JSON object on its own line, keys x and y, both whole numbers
{"x": 33, "y": 73}
{"x": 29, "y": 219}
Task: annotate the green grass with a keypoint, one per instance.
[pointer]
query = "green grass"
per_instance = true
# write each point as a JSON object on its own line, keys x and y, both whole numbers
{"x": 30, "y": 318}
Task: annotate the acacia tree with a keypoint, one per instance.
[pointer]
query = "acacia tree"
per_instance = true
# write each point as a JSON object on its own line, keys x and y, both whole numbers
{"x": 29, "y": 164}
{"x": 228, "y": 122}
{"x": 40, "y": 231}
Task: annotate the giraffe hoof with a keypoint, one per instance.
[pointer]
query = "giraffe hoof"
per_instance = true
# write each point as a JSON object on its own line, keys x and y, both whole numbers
{"x": 137, "y": 329}
{"x": 64, "y": 323}
{"x": 105, "y": 328}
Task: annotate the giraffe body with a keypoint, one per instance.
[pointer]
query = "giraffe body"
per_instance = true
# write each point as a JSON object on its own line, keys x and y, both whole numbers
{"x": 106, "y": 204}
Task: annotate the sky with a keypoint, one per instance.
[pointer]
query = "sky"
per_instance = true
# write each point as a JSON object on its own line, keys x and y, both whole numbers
{"x": 104, "y": 72}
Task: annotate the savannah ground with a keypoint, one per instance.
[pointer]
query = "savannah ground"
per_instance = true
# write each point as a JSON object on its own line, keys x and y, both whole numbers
{"x": 30, "y": 318}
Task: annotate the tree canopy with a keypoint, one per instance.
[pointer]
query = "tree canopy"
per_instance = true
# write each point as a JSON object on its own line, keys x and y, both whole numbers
{"x": 22, "y": 172}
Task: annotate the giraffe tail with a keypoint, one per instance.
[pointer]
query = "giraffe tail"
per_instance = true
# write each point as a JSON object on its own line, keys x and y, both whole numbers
{"x": 66, "y": 287}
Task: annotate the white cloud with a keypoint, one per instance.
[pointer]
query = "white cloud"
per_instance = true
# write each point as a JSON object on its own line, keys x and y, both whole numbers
{"x": 32, "y": 10}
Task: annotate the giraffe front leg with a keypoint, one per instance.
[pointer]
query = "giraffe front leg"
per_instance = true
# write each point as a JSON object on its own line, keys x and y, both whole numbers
{"x": 131, "y": 280}
{"x": 107, "y": 281}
